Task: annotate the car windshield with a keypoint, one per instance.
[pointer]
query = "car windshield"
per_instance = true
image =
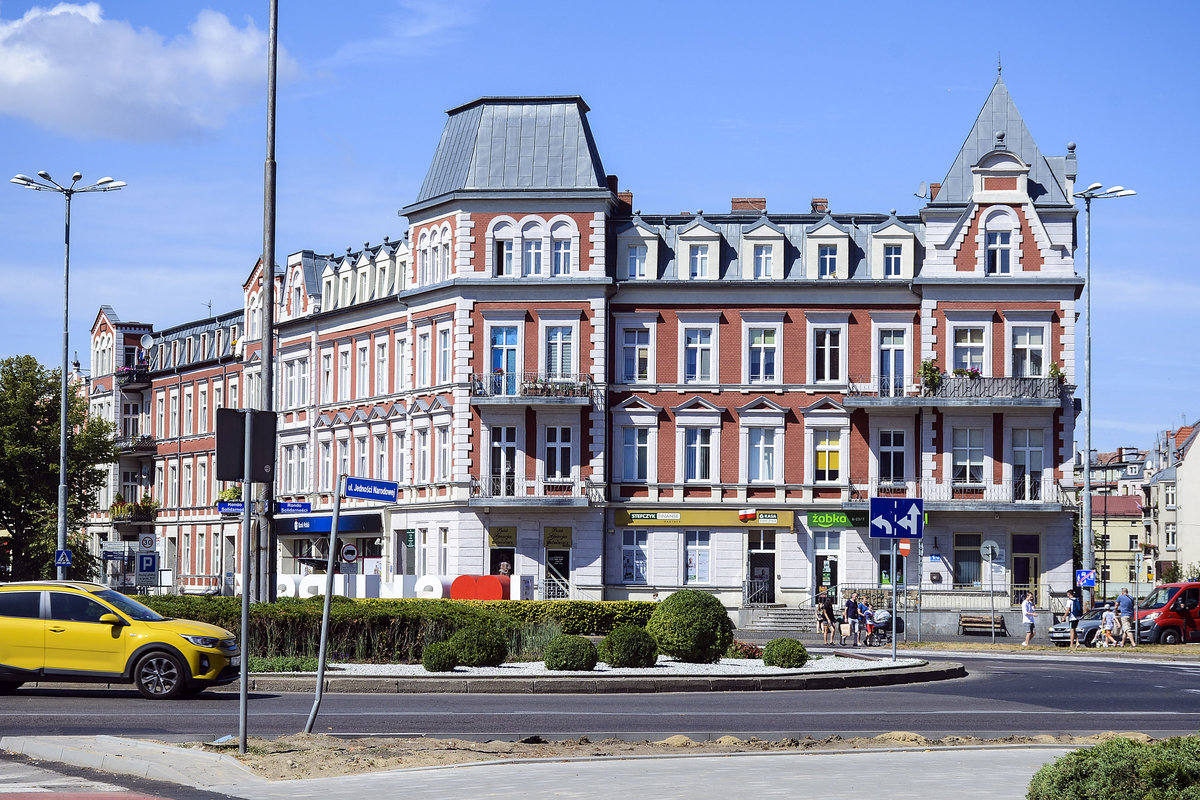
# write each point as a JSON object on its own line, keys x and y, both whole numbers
{"x": 130, "y": 606}
{"x": 1159, "y": 597}
{"x": 1095, "y": 613}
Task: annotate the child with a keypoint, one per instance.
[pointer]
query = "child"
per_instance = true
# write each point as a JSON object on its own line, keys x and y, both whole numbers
{"x": 869, "y": 621}
{"x": 1108, "y": 621}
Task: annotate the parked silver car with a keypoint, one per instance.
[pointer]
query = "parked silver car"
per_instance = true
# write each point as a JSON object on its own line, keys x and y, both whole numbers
{"x": 1085, "y": 633}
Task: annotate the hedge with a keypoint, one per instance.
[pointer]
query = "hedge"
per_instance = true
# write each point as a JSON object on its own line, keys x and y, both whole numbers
{"x": 388, "y": 631}
{"x": 1121, "y": 769}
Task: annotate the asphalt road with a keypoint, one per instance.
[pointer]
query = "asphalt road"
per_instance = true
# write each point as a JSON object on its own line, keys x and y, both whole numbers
{"x": 1015, "y": 695}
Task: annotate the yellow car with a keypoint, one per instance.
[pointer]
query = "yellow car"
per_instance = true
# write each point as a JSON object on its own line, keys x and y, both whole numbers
{"x": 86, "y": 632}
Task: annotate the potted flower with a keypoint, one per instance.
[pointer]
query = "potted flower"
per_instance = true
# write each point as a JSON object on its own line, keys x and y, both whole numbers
{"x": 931, "y": 375}
{"x": 1056, "y": 372}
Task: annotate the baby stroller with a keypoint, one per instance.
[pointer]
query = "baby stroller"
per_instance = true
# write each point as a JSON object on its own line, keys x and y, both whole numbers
{"x": 881, "y": 629}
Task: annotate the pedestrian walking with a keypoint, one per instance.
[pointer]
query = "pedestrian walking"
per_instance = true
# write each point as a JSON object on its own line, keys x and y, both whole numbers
{"x": 827, "y": 616}
{"x": 1029, "y": 616}
{"x": 1074, "y": 612}
{"x": 1125, "y": 610}
{"x": 852, "y": 618}
{"x": 1108, "y": 623}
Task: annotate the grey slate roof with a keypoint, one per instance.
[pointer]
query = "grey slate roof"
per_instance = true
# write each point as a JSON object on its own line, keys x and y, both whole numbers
{"x": 999, "y": 113}
{"x": 515, "y": 144}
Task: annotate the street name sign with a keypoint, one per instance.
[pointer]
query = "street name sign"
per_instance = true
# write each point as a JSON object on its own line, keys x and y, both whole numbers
{"x": 367, "y": 489}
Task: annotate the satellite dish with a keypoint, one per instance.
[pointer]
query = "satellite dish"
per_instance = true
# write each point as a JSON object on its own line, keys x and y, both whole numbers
{"x": 923, "y": 189}
{"x": 146, "y": 341}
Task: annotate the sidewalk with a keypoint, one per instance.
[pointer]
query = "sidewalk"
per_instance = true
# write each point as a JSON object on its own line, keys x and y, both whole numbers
{"x": 984, "y": 773}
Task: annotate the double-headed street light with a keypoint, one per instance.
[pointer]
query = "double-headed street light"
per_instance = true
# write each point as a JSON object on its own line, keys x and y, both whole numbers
{"x": 48, "y": 184}
{"x": 1093, "y": 192}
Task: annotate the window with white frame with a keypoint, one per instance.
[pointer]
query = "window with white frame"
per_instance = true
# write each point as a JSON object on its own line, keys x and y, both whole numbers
{"x": 381, "y": 368}
{"x": 363, "y": 461}
{"x": 697, "y": 556}
{"x": 698, "y": 451}
{"x": 827, "y": 261}
{"x": 364, "y": 372}
{"x": 969, "y": 348}
{"x": 697, "y": 355}
{"x": 202, "y": 409}
{"x": 827, "y": 355}
{"x": 442, "y": 434}
{"x": 344, "y": 457}
{"x": 189, "y": 497}
{"x": 763, "y": 256}
{"x": 892, "y": 254}
{"x": 159, "y": 415}
{"x": 1169, "y": 493}
{"x": 635, "y": 355}
{"x": 400, "y": 470}
{"x": 559, "y": 354}
{"x": 764, "y": 348}
{"x": 218, "y": 395}
{"x": 504, "y": 258}
{"x": 447, "y": 264}
{"x": 634, "y": 559}
{"x": 1169, "y": 531}
{"x": 1028, "y": 463}
{"x": 188, "y": 413}
{"x": 404, "y": 363}
{"x": 635, "y": 261}
{"x": 698, "y": 261}
{"x": 502, "y": 342}
{"x": 891, "y": 457}
{"x": 326, "y": 457}
{"x": 827, "y": 456}
{"x": 967, "y": 456}
{"x": 635, "y": 454}
{"x": 504, "y": 460}
{"x": 381, "y": 460}
{"x": 344, "y": 374}
{"x": 202, "y": 482}
{"x": 761, "y": 455}
{"x": 423, "y": 354}
{"x": 421, "y": 456}
{"x": 1028, "y": 351}
{"x": 174, "y": 414}
{"x": 327, "y": 377}
{"x": 558, "y": 462}
{"x": 443, "y": 362}
{"x": 999, "y": 253}
{"x": 893, "y": 355}
{"x": 173, "y": 487}
{"x": 561, "y": 264}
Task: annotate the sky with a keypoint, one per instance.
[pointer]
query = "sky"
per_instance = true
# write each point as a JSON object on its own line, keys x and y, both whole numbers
{"x": 692, "y": 103}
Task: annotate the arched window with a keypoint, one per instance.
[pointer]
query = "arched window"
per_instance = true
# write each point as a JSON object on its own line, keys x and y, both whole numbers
{"x": 447, "y": 263}
{"x": 435, "y": 255}
{"x": 561, "y": 246}
{"x": 999, "y": 256}
{"x": 423, "y": 260}
{"x": 502, "y": 252}
{"x": 531, "y": 250}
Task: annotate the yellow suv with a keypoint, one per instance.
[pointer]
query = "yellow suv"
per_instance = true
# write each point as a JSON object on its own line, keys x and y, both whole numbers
{"x": 74, "y": 631}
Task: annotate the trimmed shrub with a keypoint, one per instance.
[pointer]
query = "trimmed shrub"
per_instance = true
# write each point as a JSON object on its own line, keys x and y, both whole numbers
{"x": 692, "y": 626}
{"x": 282, "y": 664}
{"x": 570, "y": 652}
{"x": 743, "y": 650}
{"x": 629, "y": 646}
{"x": 1121, "y": 769}
{"x": 787, "y": 653}
{"x": 439, "y": 657}
{"x": 480, "y": 646}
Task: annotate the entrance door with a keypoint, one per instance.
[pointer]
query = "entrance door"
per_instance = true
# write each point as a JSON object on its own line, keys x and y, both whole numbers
{"x": 1026, "y": 566}
{"x": 558, "y": 575}
{"x": 762, "y": 577}
{"x": 827, "y": 572}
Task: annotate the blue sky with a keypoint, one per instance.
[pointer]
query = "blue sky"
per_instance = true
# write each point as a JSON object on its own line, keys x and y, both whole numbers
{"x": 692, "y": 103}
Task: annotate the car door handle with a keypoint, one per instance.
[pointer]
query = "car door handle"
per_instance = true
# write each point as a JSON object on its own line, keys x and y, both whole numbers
{"x": 57, "y": 629}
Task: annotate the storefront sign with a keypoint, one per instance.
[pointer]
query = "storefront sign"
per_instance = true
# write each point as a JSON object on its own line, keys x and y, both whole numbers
{"x": 503, "y": 536}
{"x": 347, "y": 523}
{"x": 410, "y": 537}
{"x": 557, "y": 538}
{"x": 709, "y": 518}
{"x": 837, "y": 519}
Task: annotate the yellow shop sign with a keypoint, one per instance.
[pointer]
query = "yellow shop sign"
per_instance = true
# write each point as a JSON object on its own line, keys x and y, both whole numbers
{"x": 707, "y": 517}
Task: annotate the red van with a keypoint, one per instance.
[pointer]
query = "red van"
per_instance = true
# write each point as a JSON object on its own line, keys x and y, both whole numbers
{"x": 1170, "y": 614}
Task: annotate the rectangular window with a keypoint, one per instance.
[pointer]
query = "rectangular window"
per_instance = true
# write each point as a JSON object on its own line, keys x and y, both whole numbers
{"x": 891, "y": 457}
{"x": 381, "y": 462}
{"x": 634, "y": 546}
{"x": 763, "y": 254}
{"x": 968, "y": 456}
{"x": 364, "y": 372}
{"x": 967, "y": 559}
{"x": 188, "y": 413}
{"x": 1028, "y": 352}
{"x": 636, "y": 355}
{"x": 1169, "y": 495}
{"x": 423, "y": 375}
{"x": 443, "y": 452}
{"x": 327, "y": 377}
{"x": 443, "y": 364}
{"x": 504, "y": 460}
{"x": 559, "y": 360}
{"x": 891, "y": 260}
{"x": 558, "y": 453}
{"x": 698, "y": 261}
{"x": 968, "y": 348}
{"x": 360, "y": 446}
{"x": 635, "y": 265}
{"x": 698, "y": 554}
{"x": 344, "y": 375}
{"x": 697, "y": 355}
{"x": 892, "y": 358}
{"x": 326, "y": 466}
{"x": 159, "y": 414}
{"x": 404, "y": 363}
{"x": 762, "y": 355}
{"x": 202, "y": 418}
{"x": 827, "y": 261}
{"x": 827, "y": 456}
{"x": 202, "y": 483}
{"x": 532, "y": 257}
{"x": 562, "y": 257}
{"x": 1169, "y": 529}
{"x": 401, "y": 454}
{"x": 635, "y": 454}
{"x": 381, "y": 368}
{"x": 999, "y": 248}
{"x": 503, "y": 363}
{"x": 697, "y": 444}
{"x": 174, "y": 414}
{"x": 504, "y": 257}
{"x": 762, "y": 455}
{"x": 827, "y": 355}
{"x": 173, "y": 487}
{"x": 1028, "y": 463}
{"x": 1133, "y": 541}
{"x": 421, "y": 467}
{"x": 188, "y": 495}
{"x": 344, "y": 457}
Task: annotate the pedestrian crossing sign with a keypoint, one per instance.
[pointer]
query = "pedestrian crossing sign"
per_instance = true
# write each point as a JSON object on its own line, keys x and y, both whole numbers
{"x": 62, "y": 558}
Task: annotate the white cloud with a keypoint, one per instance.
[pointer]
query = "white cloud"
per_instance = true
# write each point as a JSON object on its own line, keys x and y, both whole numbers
{"x": 413, "y": 29}
{"x": 69, "y": 69}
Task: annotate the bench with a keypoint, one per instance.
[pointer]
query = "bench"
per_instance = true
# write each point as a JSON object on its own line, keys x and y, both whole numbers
{"x": 976, "y": 623}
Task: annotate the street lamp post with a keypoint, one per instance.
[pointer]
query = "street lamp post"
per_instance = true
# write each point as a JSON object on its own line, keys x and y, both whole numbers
{"x": 48, "y": 184}
{"x": 1089, "y": 194}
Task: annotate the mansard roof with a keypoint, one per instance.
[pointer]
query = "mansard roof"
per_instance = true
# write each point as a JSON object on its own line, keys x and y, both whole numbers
{"x": 515, "y": 144}
{"x": 999, "y": 114}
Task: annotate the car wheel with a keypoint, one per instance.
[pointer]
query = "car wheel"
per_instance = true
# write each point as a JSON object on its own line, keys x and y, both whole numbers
{"x": 159, "y": 676}
{"x": 1089, "y": 639}
{"x": 1169, "y": 636}
{"x": 8, "y": 686}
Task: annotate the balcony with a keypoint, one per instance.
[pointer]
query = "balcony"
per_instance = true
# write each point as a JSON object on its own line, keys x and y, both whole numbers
{"x": 531, "y": 388}
{"x": 137, "y": 444}
{"x": 1028, "y": 492}
{"x": 132, "y": 514}
{"x": 513, "y": 491}
{"x": 133, "y": 377}
{"x": 882, "y": 391}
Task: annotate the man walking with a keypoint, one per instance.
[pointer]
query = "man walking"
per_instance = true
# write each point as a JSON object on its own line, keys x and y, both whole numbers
{"x": 852, "y": 618}
{"x": 1125, "y": 612}
{"x": 1028, "y": 615}
{"x": 1074, "y": 612}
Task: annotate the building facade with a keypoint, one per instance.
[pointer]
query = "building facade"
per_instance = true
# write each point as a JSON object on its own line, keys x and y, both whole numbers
{"x": 608, "y": 403}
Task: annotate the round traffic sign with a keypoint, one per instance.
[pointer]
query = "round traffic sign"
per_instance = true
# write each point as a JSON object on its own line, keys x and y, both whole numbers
{"x": 146, "y": 541}
{"x": 349, "y": 552}
{"x": 905, "y": 547}
{"x": 990, "y": 550}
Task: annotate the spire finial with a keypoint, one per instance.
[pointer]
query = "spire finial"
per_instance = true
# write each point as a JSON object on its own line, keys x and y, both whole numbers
{"x": 999, "y": 65}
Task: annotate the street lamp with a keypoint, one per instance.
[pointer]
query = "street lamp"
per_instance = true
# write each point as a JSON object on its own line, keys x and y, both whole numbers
{"x": 1093, "y": 192}
{"x": 1115, "y": 458}
{"x": 48, "y": 184}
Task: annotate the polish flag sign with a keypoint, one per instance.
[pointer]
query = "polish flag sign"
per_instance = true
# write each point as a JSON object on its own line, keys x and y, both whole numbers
{"x": 747, "y": 515}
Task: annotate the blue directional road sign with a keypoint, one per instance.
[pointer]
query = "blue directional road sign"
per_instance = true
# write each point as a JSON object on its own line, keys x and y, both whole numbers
{"x": 1085, "y": 578}
{"x": 367, "y": 489}
{"x": 231, "y": 506}
{"x": 897, "y": 518}
{"x": 62, "y": 558}
{"x": 289, "y": 507}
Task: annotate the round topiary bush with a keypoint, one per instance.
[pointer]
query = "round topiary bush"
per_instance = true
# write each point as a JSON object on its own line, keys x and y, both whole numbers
{"x": 569, "y": 652}
{"x": 479, "y": 646}
{"x": 787, "y": 653}
{"x": 629, "y": 646}
{"x": 692, "y": 626}
{"x": 439, "y": 657}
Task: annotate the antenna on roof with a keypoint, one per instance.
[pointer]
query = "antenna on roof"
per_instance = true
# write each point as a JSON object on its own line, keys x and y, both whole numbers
{"x": 999, "y": 65}
{"x": 922, "y": 190}
{"x": 209, "y": 304}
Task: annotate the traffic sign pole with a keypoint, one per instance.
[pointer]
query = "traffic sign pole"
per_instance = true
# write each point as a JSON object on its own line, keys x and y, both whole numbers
{"x": 895, "y": 610}
{"x": 333, "y": 532}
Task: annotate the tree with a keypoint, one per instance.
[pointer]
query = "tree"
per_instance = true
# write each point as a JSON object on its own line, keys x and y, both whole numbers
{"x": 29, "y": 454}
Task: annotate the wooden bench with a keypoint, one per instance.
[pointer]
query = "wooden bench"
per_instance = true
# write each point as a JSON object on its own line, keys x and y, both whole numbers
{"x": 976, "y": 623}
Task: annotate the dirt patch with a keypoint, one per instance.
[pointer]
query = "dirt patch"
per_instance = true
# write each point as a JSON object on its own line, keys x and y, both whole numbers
{"x": 301, "y": 755}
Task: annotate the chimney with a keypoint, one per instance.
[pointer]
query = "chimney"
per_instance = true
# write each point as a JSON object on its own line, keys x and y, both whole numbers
{"x": 934, "y": 188}
{"x": 747, "y": 204}
{"x": 612, "y": 183}
{"x": 820, "y": 205}
{"x": 624, "y": 203}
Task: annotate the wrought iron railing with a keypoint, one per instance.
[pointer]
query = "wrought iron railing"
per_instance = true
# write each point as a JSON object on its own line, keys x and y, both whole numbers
{"x": 881, "y": 386}
{"x": 143, "y": 443}
{"x": 511, "y": 486}
{"x": 133, "y": 376}
{"x": 756, "y": 593}
{"x": 131, "y": 512}
{"x": 1029, "y": 489}
{"x": 967, "y": 387}
{"x": 531, "y": 384}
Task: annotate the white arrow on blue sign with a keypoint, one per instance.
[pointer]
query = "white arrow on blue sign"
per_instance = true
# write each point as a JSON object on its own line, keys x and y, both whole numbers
{"x": 367, "y": 489}
{"x": 897, "y": 518}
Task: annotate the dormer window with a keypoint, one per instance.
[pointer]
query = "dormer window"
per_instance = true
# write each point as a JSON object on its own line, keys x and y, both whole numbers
{"x": 827, "y": 261}
{"x": 636, "y": 263}
{"x": 698, "y": 261}
{"x": 763, "y": 256}
{"x": 891, "y": 260}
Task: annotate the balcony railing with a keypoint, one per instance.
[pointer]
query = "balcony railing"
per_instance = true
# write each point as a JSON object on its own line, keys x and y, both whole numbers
{"x": 531, "y": 384}
{"x": 957, "y": 387}
{"x": 142, "y": 444}
{"x": 130, "y": 377}
{"x": 501, "y": 487}
{"x": 882, "y": 386}
{"x": 131, "y": 512}
{"x": 1022, "y": 490}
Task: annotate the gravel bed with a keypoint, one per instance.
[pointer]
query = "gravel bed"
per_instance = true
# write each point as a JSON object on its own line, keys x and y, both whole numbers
{"x": 666, "y": 667}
